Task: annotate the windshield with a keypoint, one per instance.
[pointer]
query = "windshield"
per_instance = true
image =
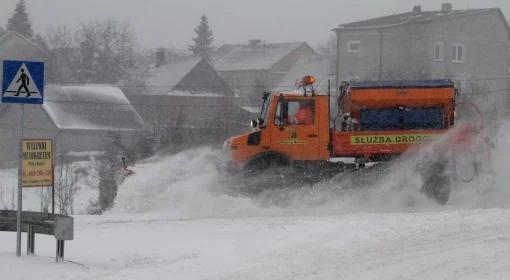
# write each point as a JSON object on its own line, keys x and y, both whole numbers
{"x": 265, "y": 108}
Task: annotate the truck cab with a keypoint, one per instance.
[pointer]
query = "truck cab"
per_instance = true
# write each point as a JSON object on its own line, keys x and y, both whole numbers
{"x": 278, "y": 135}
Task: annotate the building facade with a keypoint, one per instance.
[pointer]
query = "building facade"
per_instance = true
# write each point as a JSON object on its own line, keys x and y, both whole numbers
{"x": 470, "y": 47}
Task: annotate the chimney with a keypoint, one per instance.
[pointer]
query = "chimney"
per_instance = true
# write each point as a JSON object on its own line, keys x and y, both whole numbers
{"x": 446, "y": 7}
{"x": 254, "y": 43}
{"x": 417, "y": 9}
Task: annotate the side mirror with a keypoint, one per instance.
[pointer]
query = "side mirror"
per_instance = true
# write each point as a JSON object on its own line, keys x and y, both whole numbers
{"x": 260, "y": 121}
{"x": 254, "y": 123}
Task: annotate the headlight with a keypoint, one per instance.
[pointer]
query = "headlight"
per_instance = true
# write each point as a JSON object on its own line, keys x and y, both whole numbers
{"x": 226, "y": 144}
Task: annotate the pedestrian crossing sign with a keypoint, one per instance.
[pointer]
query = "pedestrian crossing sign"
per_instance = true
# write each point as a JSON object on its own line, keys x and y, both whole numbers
{"x": 23, "y": 82}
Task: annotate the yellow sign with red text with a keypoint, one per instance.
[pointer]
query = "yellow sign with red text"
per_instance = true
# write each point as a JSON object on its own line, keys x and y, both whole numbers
{"x": 392, "y": 139}
{"x": 37, "y": 163}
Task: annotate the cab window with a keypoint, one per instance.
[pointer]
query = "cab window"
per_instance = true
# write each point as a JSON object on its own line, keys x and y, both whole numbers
{"x": 295, "y": 112}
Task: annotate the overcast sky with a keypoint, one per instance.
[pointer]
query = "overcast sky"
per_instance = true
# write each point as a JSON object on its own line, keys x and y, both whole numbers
{"x": 170, "y": 22}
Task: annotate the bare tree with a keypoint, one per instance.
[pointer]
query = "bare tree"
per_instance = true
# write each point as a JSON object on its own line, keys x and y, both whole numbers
{"x": 66, "y": 186}
{"x": 106, "y": 51}
{"x": 328, "y": 50}
{"x": 45, "y": 199}
{"x": 7, "y": 200}
{"x": 60, "y": 54}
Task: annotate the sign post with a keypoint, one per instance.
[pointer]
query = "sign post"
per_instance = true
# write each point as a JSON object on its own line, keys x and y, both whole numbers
{"x": 20, "y": 192}
{"x": 22, "y": 83}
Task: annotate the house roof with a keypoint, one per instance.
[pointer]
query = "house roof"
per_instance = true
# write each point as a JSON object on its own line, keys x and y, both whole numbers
{"x": 261, "y": 56}
{"x": 164, "y": 78}
{"x": 7, "y": 47}
{"x": 90, "y": 107}
{"x": 9, "y": 34}
{"x": 411, "y": 17}
{"x": 304, "y": 66}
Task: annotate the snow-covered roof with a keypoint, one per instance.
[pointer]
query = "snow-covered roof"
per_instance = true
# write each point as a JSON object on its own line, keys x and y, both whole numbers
{"x": 164, "y": 78}
{"x": 245, "y": 57}
{"x": 14, "y": 46}
{"x": 195, "y": 94}
{"x": 411, "y": 17}
{"x": 90, "y": 107}
{"x": 305, "y": 66}
{"x": 186, "y": 76}
{"x": 5, "y": 36}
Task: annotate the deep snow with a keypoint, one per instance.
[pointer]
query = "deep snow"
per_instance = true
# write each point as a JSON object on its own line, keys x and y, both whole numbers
{"x": 183, "y": 217}
{"x": 464, "y": 244}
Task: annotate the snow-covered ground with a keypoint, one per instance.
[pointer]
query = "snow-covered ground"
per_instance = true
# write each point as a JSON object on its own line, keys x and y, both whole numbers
{"x": 471, "y": 244}
{"x": 183, "y": 217}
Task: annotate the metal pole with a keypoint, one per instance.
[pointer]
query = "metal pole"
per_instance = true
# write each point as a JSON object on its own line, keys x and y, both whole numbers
{"x": 60, "y": 251}
{"x": 53, "y": 188}
{"x": 54, "y": 152}
{"x": 337, "y": 66}
{"x": 30, "y": 239}
{"x": 20, "y": 174}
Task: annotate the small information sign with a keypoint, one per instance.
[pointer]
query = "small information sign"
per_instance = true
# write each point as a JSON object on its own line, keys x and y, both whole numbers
{"x": 37, "y": 163}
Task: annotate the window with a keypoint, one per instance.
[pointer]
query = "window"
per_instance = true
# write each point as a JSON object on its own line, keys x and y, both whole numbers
{"x": 353, "y": 46}
{"x": 458, "y": 53}
{"x": 438, "y": 51}
{"x": 300, "y": 112}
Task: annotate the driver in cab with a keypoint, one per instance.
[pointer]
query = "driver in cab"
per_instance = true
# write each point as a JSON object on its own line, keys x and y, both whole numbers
{"x": 304, "y": 115}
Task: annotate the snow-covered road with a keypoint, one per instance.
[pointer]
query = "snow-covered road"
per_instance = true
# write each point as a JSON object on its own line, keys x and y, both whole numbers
{"x": 471, "y": 244}
{"x": 180, "y": 217}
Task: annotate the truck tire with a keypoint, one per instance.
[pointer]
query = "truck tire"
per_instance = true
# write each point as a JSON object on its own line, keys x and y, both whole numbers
{"x": 437, "y": 188}
{"x": 264, "y": 172}
{"x": 265, "y": 161}
{"x": 436, "y": 183}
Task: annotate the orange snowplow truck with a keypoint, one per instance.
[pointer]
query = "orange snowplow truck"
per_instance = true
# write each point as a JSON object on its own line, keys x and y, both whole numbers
{"x": 377, "y": 121}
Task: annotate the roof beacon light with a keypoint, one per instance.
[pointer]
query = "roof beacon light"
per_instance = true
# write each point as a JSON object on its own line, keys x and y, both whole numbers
{"x": 307, "y": 83}
{"x": 308, "y": 80}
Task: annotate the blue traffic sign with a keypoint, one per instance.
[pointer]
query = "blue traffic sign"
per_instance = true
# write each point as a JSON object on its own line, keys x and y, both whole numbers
{"x": 23, "y": 82}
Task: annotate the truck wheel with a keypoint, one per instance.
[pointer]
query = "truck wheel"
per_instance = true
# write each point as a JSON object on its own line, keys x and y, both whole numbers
{"x": 466, "y": 170}
{"x": 436, "y": 184}
{"x": 264, "y": 172}
{"x": 266, "y": 161}
{"x": 437, "y": 188}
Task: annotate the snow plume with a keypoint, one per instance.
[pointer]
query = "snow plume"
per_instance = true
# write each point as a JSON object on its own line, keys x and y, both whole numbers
{"x": 491, "y": 188}
{"x": 194, "y": 183}
{"x": 187, "y": 184}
